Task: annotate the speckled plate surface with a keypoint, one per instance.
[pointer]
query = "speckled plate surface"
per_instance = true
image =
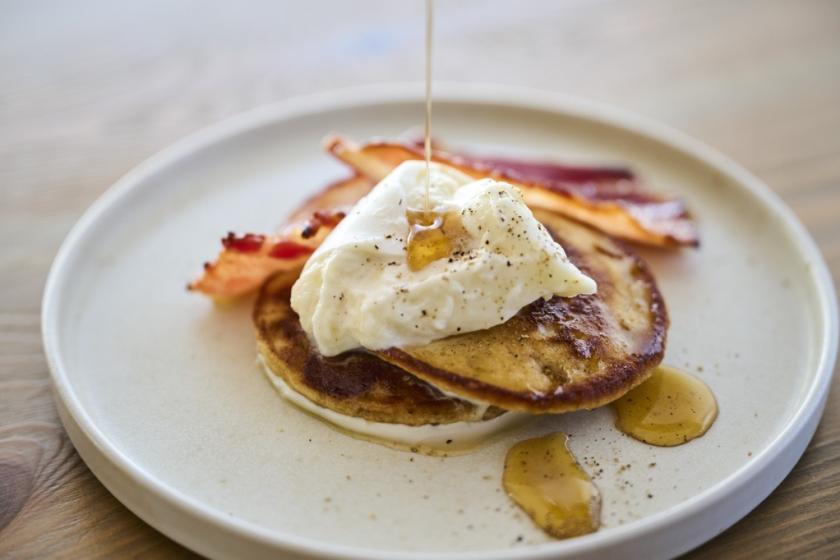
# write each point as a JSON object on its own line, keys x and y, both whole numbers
{"x": 160, "y": 393}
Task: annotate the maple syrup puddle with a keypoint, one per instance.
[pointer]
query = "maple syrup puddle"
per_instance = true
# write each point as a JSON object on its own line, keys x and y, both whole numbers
{"x": 670, "y": 408}
{"x": 544, "y": 479}
{"x": 431, "y": 236}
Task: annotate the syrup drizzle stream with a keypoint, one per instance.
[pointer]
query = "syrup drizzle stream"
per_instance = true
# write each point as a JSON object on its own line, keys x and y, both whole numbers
{"x": 427, "y": 240}
{"x": 427, "y": 130}
{"x": 670, "y": 408}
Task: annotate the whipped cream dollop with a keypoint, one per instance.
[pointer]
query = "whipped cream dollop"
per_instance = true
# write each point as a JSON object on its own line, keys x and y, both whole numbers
{"x": 357, "y": 289}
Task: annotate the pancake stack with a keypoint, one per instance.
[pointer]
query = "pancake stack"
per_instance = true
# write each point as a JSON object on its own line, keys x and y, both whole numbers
{"x": 554, "y": 356}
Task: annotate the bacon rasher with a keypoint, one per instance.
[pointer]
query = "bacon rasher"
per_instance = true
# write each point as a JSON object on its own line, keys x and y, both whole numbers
{"x": 608, "y": 198}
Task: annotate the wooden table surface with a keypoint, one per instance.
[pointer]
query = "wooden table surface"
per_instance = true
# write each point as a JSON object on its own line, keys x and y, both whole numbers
{"x": 89, "y": 89}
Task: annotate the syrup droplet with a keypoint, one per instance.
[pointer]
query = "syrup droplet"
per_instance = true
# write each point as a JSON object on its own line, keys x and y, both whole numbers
{"x": 670, "y": 408}
{"x": 427, "y": 239}
{"x": 543, "y": 477}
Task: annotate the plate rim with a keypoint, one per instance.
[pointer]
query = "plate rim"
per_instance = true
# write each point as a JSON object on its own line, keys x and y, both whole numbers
{"x": 746, "y": 482}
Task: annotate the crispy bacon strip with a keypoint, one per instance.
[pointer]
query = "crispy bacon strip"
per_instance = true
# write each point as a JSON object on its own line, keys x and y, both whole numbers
{"x": 610, "y": 199}
{"x": 236, "y": 272}
{"x": 247, "y": 260}
{"x": 542, "y": 171}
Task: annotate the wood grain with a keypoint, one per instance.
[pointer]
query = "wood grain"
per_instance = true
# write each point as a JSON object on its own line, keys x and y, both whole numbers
{"x": 91, "y": 88}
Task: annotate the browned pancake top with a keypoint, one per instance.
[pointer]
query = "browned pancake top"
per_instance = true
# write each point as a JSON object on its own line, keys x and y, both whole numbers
{"x": 354, "y": 383}
{"x": 555, "y": 355}
{"x": 562, "y": 354}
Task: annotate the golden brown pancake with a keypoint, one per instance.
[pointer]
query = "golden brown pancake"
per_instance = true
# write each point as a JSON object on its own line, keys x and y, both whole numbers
{"x": 558, "y": 355}
{"x": 356, "y": 384}
{"x": 563, "y": 354}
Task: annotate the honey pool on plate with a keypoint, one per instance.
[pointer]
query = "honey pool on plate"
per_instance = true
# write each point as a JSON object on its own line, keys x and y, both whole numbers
{"x": 670, "y": 408}
{"x": 543, "y": 477}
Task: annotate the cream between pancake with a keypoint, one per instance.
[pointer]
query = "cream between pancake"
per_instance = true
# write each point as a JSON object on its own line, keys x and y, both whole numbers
{"x": 430, "y": 437}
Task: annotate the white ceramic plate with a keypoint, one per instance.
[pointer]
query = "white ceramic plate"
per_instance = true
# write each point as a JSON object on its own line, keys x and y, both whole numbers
{"x": 161, "y": 396}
